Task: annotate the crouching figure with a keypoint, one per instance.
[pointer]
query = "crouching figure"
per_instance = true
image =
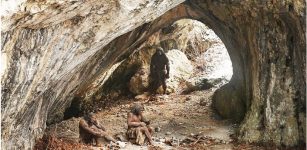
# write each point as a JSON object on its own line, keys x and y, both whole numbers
{"x": 138, "y": 127}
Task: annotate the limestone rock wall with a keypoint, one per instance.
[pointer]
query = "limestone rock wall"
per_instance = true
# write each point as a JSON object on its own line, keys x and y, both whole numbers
{"x": 266, "y": 43}
{"x": 190, "y": 36}
{"x": 52, "y": 48}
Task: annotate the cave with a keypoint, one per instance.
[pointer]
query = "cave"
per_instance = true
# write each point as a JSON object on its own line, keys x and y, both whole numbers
{"x": 55, "y": 52}
{"x": 198, "y": 61}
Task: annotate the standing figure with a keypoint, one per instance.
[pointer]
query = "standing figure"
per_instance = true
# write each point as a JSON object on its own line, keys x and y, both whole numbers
{"x": 90, "y": 129}
{"x": 138, "y": 126}
{"x": 159, "y": 71}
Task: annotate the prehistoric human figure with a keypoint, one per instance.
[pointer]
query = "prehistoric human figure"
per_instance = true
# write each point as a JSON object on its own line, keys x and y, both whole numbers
{"x": 90, "y": 129}
{"x": 159, "y": 71}
{"x": 138, "y": 126}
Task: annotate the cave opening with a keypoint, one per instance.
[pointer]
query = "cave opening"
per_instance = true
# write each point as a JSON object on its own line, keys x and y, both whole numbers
{"x": 198, "y": 59}
{"x": 199, "y": 65}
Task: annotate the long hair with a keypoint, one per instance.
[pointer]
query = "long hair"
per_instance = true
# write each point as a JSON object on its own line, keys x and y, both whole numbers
{"x": 160, "y": 51}
{"x": 136, "y": 109}
{"x": 88, "y": 116}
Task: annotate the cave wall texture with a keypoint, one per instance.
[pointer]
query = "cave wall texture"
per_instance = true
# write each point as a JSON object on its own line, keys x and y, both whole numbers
{"x": 54, "y": 51}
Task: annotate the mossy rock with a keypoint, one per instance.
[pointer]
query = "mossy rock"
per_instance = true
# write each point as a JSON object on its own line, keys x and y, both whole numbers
{"x": 228, "y": 103}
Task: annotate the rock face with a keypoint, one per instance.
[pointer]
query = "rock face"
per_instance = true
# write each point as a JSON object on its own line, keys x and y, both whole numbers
{"x": 180, "y": 69}
{"x": 139, "y": 82}
{"x": 67, "y": 130}
{"x": 55, "y": 51}
{"x": 190, "y": 36}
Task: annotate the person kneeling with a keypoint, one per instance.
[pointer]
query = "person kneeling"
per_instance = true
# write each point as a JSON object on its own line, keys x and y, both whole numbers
{"x": 138, "y": 126}
{"x": 90, "y": 129}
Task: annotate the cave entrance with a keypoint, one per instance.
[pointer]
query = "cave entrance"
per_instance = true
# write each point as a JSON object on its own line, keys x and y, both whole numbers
{"x": 115, "y": 78}
{"x": 199, "y": 65}
{"x": 208, "y": 63}
{"x": 198, "y": 60}
{"x": 202, "y": 65}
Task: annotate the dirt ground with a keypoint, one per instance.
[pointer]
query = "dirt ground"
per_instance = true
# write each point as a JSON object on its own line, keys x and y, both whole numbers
{"x": 177, "y": 117}
{"x": 182, "y": 121}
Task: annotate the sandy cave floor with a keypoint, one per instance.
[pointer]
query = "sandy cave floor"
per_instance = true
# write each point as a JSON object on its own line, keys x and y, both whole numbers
{"x": 185, "y": 119}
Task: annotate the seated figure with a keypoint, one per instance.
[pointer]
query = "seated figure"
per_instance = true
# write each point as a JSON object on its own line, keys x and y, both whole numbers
{"x": 90, "y": 129}
{"x": 138, "y": 126}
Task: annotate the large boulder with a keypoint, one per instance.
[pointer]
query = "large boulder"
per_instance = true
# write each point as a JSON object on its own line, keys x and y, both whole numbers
{"x": 228, "y": 103}
{"x": 190, "y": 36}
{"x": 180, "y": 69}
{"x": 139, "y": 82}
{"x": 66, "y": 130}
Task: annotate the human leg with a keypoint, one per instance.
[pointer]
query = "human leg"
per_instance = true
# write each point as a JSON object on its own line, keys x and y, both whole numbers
{"x": 98, "y": 141}
{"x": 147, "y": 133}
{"x": 107, "y": 136}
{"x": 150, "y": 129}
{"x": 155, "y": 83}
{"x": 164, "y": 85}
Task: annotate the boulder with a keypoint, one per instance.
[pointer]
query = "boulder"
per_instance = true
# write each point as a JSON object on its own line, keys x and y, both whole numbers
{"x": 66, "y": 130}
{"x": 228, "y": 103}
{"x": 139, "y": 82}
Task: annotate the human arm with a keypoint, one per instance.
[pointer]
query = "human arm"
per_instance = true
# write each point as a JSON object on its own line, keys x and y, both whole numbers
{"x": 84, "y": 125}
{"x": 167, "y": 67}
{"x": 132, "y": 123}
{"x": 145, "y": 120}
{"x": 152, "y": 65}
{"x": 99, "y": 126}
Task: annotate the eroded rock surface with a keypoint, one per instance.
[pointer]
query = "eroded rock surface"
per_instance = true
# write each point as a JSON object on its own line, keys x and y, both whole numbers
{"x": 52, "y": 49}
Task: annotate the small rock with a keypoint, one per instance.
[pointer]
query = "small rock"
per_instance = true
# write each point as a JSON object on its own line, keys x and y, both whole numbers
{"x": 168, "y": 139}
{"x": 188, "y": 98}
{"x": 121, "y": 137}
{"x": 157, "y": 129}
{"x": 168, "y": 133}
{"x": 121, "y": 144}
{"x": 141, "y": 97}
